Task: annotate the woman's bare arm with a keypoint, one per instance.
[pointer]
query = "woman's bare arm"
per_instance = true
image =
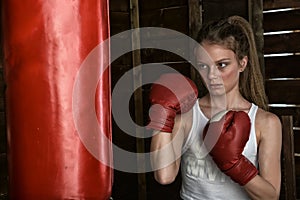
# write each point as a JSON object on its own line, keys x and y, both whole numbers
{"x": 266, "y": 185}
{"x": 166, "y": 152}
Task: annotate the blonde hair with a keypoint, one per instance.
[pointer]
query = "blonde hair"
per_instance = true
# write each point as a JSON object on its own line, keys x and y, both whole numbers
{"x": 236, "y": 34}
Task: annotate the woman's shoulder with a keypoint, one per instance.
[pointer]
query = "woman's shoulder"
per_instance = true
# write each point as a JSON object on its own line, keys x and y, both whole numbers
{"x": 267, "y": 122}
{"x": 266, "y": 116}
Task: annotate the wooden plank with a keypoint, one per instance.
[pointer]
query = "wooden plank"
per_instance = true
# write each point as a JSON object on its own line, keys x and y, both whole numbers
{"x": 181, "y": 67}
{"x": 282, "y": 67}
{"x": 117, "y": 71}
{"x": 276, "y": 4}
{"x": 285, "y": 67}
{"x": 146, "y": 5}
{"x": 195, "y": 18}
{"x": 255, "y": 18}
{"x": 216, "y": 9}
{"x": 282, "y": 43}
{"x": 159, "y": 34}
{"x": 119, "y": 6}
{"x": 179, "y": 45}
{"x": 282, "y": 21}
{"x": 176, "y": 19}
{"x": 297, "y": 166}
{"x": 156, "y": 55}
{"x": 297, "y": 140}
{"x": 138, "y": 98}
{"x": 288, "y": 158}
{"x": 283, "y": 91}
{"x": 122, "y": 139}
{"x": 292, "y": 110}
{"x": 124, "y": 60}
{"x": 195, "y": 22}
{"x": 119, "y": 22}
{"x": 166, "y": 17}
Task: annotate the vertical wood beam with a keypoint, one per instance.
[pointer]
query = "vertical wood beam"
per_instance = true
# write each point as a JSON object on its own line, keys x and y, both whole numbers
{"x": 195, "y": 23}
{"x": 255, "y": 15}
{"x": 288, "y": 158}
{"x": 195, "y": 17}
{"x": 138, "y": 97}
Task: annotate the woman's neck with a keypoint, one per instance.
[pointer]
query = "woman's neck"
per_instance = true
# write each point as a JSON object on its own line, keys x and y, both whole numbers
{"x": 228, "y": 102}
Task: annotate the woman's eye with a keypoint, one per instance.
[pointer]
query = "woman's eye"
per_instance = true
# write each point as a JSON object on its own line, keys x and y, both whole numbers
{"x": 202, "y": 65}
{"x": 222, "y": 65}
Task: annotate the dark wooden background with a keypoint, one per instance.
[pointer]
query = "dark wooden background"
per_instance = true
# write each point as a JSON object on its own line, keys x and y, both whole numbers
{"x": 282, "y": 73}
{"x": 282, "y": 61}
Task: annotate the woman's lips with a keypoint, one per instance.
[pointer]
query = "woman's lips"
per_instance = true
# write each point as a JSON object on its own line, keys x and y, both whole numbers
{"x": 216, "y": 86}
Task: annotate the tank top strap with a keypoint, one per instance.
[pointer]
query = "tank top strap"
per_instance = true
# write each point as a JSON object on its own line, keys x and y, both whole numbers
{"x": 252, "y": 111}
{"x": 199, "y": 121}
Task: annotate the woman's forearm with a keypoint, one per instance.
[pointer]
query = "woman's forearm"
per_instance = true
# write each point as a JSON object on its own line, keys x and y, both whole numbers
{"x": 164, "y": 158}
{"x": 260, "y": 189}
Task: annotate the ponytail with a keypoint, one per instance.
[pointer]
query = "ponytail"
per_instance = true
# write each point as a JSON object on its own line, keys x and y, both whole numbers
{"x": 251, "y": 80}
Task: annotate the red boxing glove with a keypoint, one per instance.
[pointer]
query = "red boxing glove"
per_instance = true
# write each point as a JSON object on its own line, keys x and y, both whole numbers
{"x": 172, "y": 93}
{"x": 226, "y": 139}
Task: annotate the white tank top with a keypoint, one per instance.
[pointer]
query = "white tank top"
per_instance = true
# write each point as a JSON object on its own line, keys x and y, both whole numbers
{"x": 201, "y": 178}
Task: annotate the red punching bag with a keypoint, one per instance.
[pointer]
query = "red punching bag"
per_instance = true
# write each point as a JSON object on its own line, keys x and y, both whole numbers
{"x": 45, "y": 44}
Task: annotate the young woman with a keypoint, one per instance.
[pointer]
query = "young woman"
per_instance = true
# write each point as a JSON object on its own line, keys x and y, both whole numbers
{"x": 245, "y": 167}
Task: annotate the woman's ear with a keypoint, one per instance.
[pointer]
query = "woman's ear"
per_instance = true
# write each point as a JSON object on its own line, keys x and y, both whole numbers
{"x": 243, "y": 63}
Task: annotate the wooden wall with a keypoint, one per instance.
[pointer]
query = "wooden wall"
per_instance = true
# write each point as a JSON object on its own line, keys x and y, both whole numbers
{"x": 179, "y": 15}
{"x": 120, "y": 21}
{"x": 126, "y": 15}
{"x": 282, "y": 64}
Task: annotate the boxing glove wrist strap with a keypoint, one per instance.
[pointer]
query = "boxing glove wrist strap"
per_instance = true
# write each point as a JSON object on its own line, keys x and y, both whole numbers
{"x": 242, "y": 172}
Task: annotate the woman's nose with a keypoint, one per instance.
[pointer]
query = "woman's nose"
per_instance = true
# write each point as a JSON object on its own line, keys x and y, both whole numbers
{"x": 213, "y": 72}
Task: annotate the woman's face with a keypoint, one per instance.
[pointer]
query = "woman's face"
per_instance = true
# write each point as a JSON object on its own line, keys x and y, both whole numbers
{"x": 219, "y": 68}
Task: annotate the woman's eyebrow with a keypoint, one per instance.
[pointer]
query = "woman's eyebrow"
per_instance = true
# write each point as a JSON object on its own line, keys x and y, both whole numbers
{"x": 223, "y": 59}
